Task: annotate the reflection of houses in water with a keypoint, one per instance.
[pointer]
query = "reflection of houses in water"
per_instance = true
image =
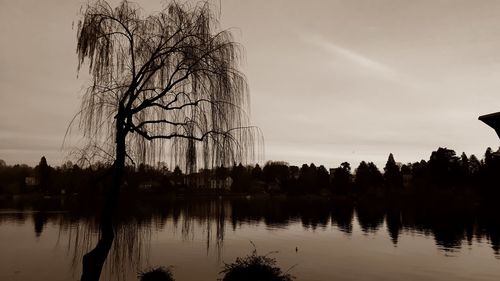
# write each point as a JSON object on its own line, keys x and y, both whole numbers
{"x": 492, "y": 120}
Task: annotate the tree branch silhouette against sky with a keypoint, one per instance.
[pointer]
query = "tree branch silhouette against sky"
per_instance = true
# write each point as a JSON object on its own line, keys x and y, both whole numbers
{"x": 330, "y": 81}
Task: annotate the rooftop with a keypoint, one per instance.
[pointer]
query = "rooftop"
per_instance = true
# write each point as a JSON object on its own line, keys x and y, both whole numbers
{"x": 492, "y": 120}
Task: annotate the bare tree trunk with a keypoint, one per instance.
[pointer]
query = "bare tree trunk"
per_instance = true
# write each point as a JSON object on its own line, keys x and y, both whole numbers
{"x": 118, "y": 166}
{"x": 93, "y": 261}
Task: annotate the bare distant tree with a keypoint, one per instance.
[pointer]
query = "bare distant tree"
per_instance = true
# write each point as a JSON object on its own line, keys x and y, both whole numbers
{"x": 162, "y": 85}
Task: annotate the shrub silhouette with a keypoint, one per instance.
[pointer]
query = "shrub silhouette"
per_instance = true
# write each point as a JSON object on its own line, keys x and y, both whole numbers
{"x": 254, "y": 267}
{"x": 157, "y": 274}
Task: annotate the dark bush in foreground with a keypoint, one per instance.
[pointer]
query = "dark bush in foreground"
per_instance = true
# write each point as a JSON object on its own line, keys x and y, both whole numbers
{"x": 254, "y": 268}
{"x": 157, "y": 274}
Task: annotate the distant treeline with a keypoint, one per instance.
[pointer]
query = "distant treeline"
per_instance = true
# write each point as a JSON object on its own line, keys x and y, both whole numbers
{"x": 443, "y": 171}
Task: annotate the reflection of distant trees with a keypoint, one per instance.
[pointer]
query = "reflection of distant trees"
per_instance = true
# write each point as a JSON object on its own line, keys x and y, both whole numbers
{"x": 370, "y": 216}
{"x": 450, "y": 223}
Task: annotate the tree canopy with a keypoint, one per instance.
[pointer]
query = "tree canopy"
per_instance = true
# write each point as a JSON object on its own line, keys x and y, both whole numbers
{"x": 173, "y": 76}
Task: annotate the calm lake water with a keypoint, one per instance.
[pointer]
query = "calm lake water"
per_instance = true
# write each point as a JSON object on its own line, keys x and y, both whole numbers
{"x": 316, "y": 239}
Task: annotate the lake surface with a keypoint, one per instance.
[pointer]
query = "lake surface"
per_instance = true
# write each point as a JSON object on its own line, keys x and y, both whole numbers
{"x": 314, "y": 239}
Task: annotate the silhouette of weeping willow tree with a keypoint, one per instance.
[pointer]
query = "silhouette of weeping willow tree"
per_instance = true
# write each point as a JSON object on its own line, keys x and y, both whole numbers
{"x": 170, "y": 76}
{"x": 161, "y": 85}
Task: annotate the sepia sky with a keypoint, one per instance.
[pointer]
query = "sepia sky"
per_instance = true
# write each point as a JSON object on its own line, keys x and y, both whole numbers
{"x": 330, "y": 81}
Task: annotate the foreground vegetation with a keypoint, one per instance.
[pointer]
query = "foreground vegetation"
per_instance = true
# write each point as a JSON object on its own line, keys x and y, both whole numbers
{"x": 249, "y": 268}
{"x": 254, "y": 267}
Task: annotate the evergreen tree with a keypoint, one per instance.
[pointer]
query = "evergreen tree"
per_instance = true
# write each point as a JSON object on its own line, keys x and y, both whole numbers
{"x": 177, "y": 175}
{"x": 362, "y": 176}
{"x": 43, "y": 173}
{"x": 376, "y": 177}
{"x": 221, "y": 173}
{"x": 342, "y": 178}
{"x": 392, "y": 174}
{"x": 257, "y": 173}
{"x": 444, "y": 167}
{"x": 241, "y": 178}
{"x": 488, "y": 157}
{"x": 474, "y": 165}
{"x": 323, "y": 177}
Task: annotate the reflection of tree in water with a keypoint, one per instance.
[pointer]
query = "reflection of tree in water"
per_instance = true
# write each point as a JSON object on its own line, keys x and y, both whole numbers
{"x": 394, "y": 224}
{"x": 129, "y": 248}
{"x": 450, "y": 224}
{"x": 133, "y": 232}
{"x": 314, "y": 215}
{"x": 211, "y": 214}
{"x": 39, "y": 220}
{"x": 370, "y": 216}
{"x": 342, "y": 215}
{"x": 488, "y": 226}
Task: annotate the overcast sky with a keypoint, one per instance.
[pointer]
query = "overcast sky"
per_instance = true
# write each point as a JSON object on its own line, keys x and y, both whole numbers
{"x": 330, "y": 81}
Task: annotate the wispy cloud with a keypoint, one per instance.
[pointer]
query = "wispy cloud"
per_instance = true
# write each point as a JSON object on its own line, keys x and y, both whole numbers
{"x": 356, "y": 58}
